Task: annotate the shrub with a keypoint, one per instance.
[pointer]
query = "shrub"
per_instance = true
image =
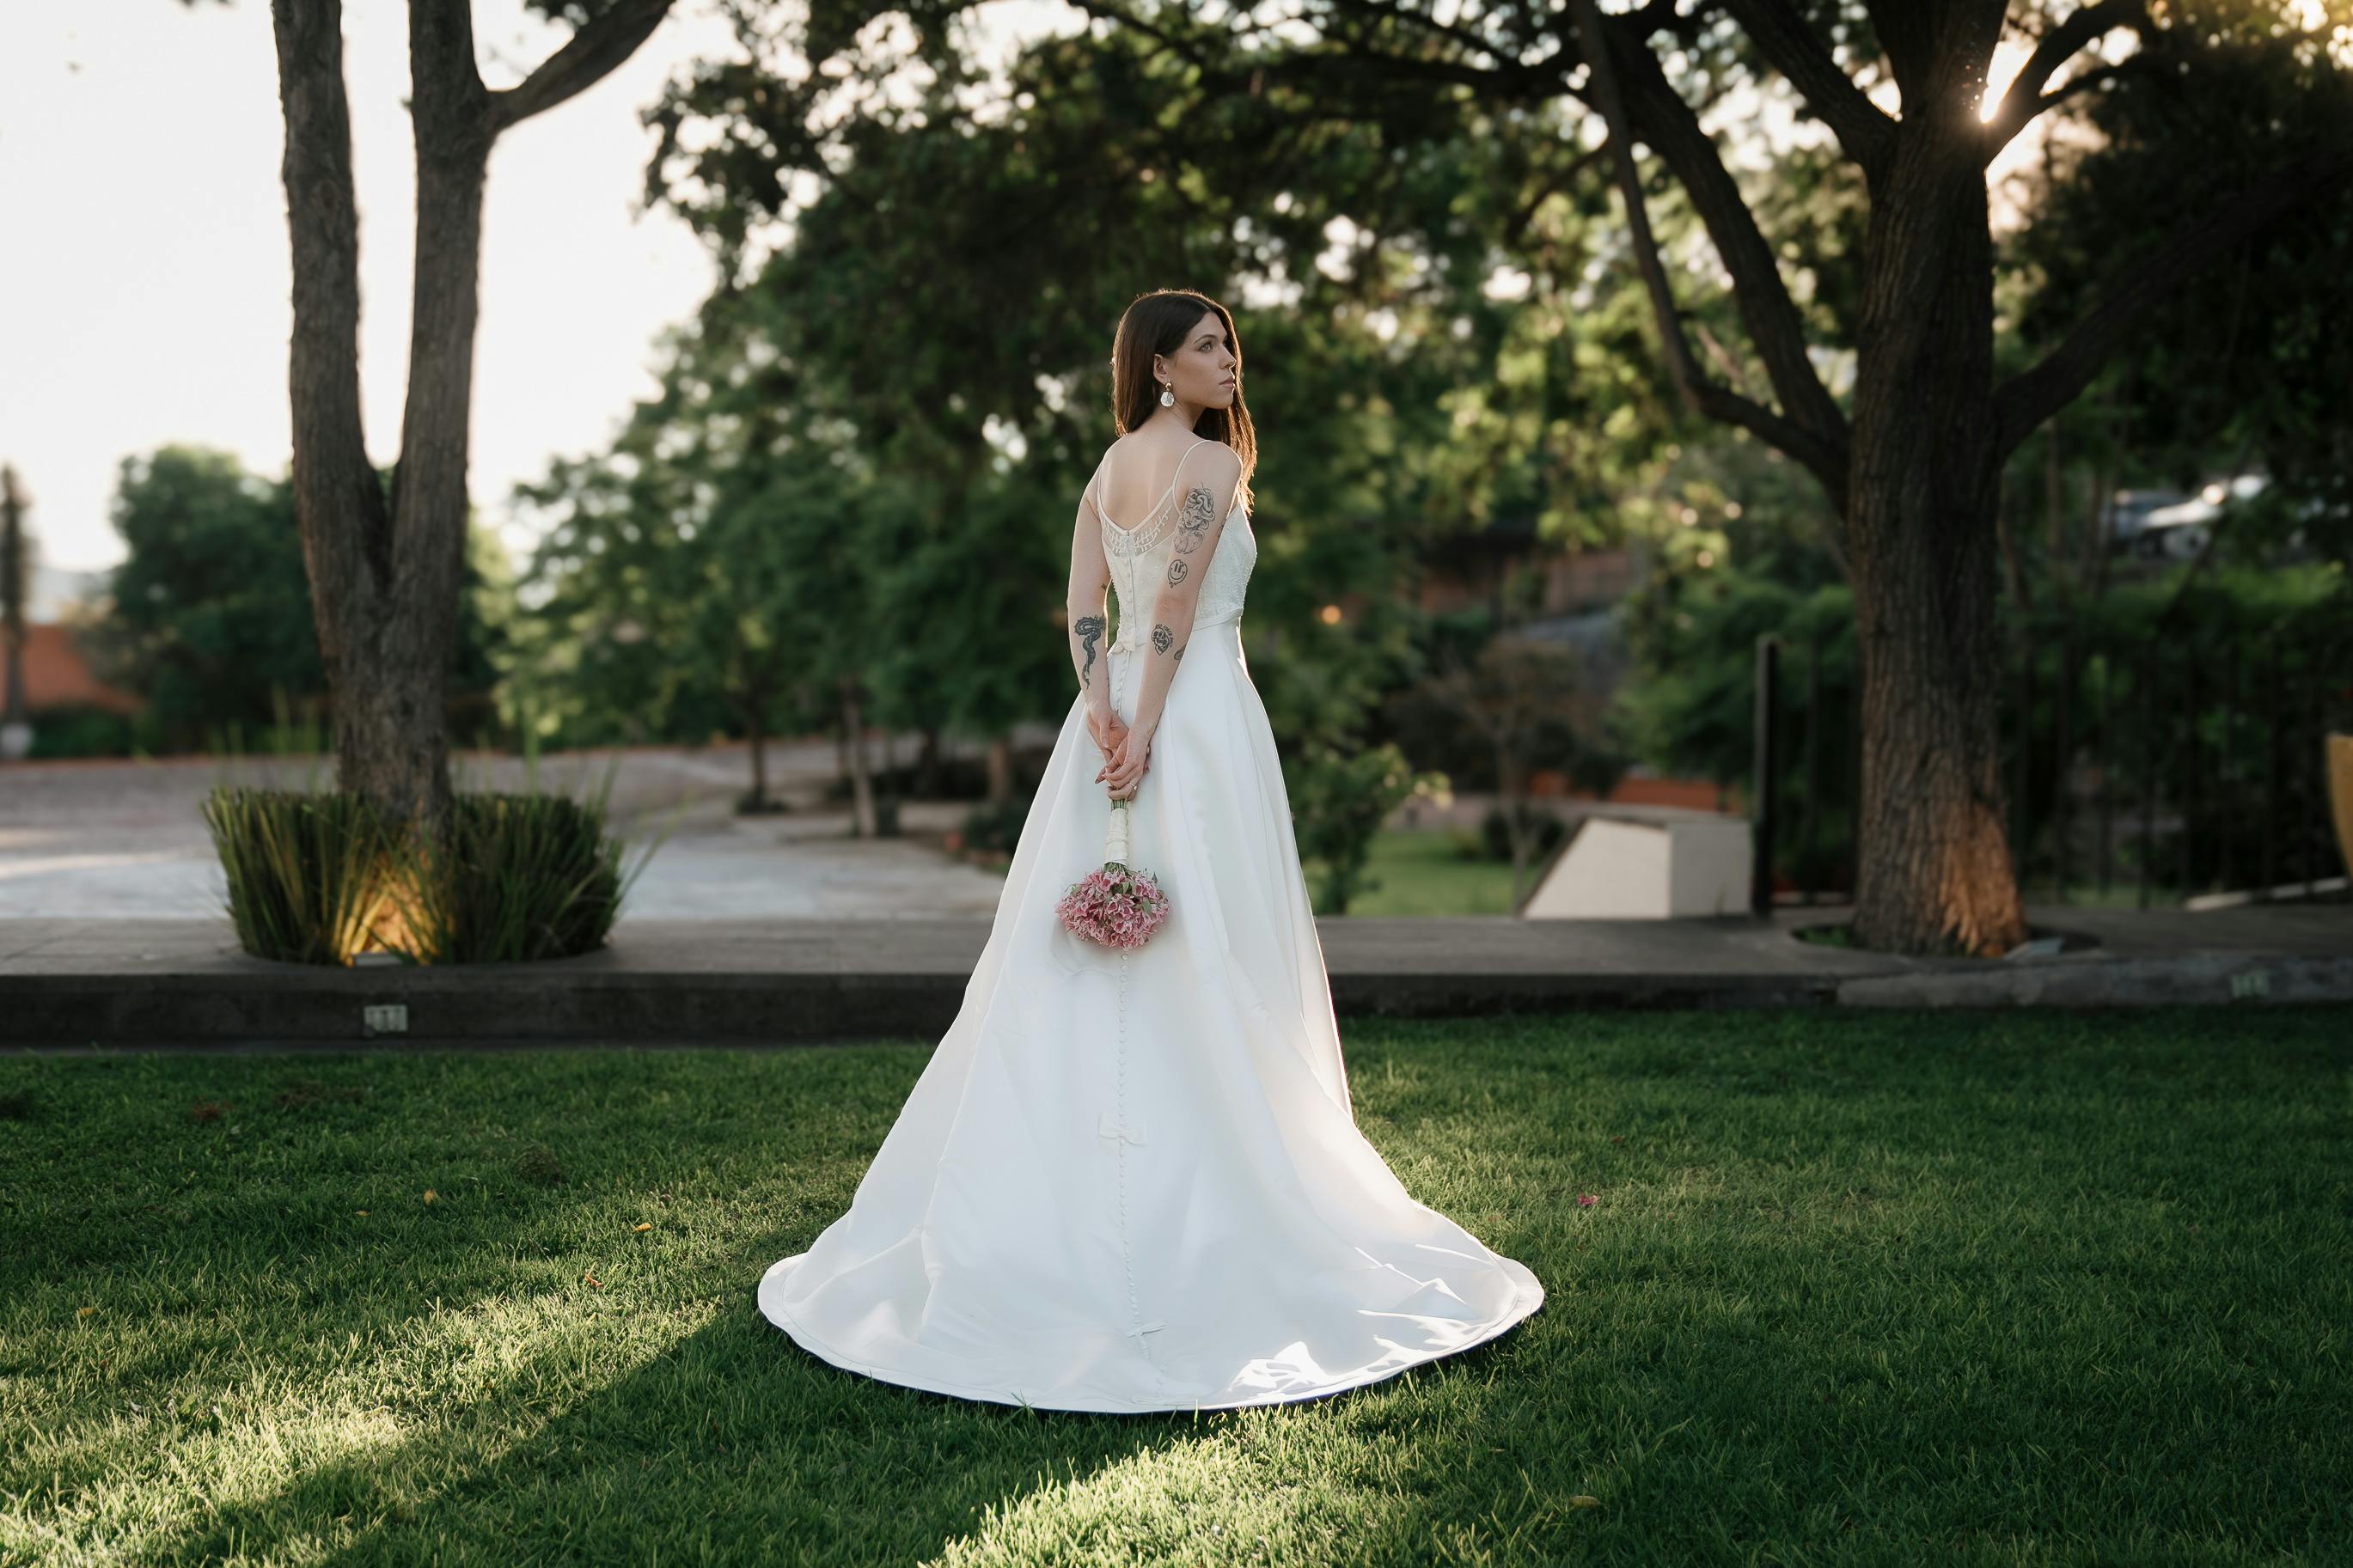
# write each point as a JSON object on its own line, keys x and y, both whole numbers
{"x": 995, "y": 829}
{"x": 317, "y": 877}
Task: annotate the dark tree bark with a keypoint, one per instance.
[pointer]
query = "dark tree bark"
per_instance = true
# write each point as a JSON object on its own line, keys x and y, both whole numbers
{"x": 385, "y": 570}
{"x": 861, "y": 776}
{"x": 1000, "y": 769}
{"x": 1926, "y": 475}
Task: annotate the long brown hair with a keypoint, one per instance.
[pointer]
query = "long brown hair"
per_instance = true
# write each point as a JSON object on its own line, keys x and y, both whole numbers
{"x": 1158, "y": 323}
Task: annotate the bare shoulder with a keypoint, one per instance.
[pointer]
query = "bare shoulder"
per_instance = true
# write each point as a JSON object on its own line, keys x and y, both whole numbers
{"x": 1215, "y": 468}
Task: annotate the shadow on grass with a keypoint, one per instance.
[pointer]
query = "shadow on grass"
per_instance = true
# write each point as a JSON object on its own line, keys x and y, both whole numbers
{"x": 733, "y": 1444}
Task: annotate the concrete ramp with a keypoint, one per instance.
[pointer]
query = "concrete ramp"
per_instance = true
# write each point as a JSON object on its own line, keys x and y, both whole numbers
{"x": 1658, "y": 865}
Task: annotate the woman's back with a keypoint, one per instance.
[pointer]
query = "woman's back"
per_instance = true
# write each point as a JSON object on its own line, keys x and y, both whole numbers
{"x": 1138, "y": 477}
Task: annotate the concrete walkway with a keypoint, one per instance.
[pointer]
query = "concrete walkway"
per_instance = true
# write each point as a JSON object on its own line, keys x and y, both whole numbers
{"x": 783, "y": 929}
{"x": 115, "y": 839}
{"x": 145, "y": 983}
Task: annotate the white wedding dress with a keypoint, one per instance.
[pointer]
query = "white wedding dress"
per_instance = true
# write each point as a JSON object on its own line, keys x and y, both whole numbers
{"x": 1130, "y": 1180}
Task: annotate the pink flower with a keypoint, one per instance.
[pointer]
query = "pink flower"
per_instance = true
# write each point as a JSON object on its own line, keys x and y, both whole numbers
{"x": 1118, "y": 908}
{"x": 1586, "y": 1200}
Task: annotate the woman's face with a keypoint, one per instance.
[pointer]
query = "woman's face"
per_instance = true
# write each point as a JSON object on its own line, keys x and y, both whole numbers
{"x": 1203, "y": 371}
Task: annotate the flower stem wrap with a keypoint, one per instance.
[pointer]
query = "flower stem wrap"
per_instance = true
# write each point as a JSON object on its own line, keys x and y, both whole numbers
{"x": 1116, "y": 836}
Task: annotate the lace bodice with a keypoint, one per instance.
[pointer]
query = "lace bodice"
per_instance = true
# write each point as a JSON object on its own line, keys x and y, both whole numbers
{"x": 1139, "y": 564}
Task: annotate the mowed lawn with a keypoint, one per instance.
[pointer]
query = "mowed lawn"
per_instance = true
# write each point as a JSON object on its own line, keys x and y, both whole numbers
{"x": 1854, "y": 1289}
{"x": 1419, "y": 872}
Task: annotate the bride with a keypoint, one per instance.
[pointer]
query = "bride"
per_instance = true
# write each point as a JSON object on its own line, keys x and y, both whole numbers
{"x": 1130, "y": 1178}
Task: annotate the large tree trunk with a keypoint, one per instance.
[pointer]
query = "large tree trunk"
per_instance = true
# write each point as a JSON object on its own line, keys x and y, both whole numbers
{"x": 1934, "y": 860}
{"x": 385, "y": 571}
{"x": 340, "y": 508}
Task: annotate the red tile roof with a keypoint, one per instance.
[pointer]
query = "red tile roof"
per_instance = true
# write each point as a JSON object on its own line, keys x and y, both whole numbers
{"x": 57, "y": 676}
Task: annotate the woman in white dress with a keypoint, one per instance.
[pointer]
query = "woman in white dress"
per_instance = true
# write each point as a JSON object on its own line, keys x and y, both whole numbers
{"x": 1130, "y": 1178}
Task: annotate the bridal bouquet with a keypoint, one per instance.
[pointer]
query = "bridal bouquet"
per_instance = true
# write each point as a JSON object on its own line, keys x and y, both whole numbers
{"x": 1115, "y": 906}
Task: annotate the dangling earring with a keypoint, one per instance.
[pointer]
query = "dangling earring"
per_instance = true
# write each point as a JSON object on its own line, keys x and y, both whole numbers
{"x": 1167, "y": 398}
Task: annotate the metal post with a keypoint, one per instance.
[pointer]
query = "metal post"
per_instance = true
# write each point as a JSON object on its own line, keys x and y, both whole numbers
{"x": 2271, "y": 761}
{"x": 2148, "y": 768}
{"x": 1813, "y": 759}
{"x": 2224, "y": 800}
{"x": 2062, "y": 761}
{"x": 1765, "y": 811}
{"x": 2315, "y": 769}
{"x": 2021, "y": 816}
{"x": 2188, "y": 765}
{"x": 2105, "y": 748}
{"x": 1855, "y": 770}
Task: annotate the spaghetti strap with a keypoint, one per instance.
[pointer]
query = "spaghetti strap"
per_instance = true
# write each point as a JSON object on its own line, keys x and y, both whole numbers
{"x": 1102, "y": 471}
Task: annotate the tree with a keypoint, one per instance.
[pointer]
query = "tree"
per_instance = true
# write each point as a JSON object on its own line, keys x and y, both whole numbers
{"x": 15, "y": 588}
{"x": 1910, "y": 462}
{"x": 385, "y": 564}
{"x": 207, "y": 616}
{"x": 1527, "y": 700}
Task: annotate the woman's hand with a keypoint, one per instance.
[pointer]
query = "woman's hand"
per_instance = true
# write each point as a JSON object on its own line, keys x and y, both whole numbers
{"x": 1122, "y": 774}
{"x": 1107, "y": 728}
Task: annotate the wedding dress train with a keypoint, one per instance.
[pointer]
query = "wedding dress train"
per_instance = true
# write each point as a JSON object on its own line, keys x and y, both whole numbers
{"x": 1132, "y": 1180}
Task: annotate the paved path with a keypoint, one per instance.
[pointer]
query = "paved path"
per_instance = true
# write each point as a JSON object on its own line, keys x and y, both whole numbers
{"x": 118, "y": 840}
{"x": 174, "y": 983}
{"x": 783, "y": 929}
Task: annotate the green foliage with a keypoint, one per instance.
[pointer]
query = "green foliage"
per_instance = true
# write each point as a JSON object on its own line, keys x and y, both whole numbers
{"x": 528, "y": 877}
{"x": 996, "y": 829}
{"x": 305, "y": 870}
{"x": 1339, "y": 800}
{"x": 2246, "y": 364}
{"x": 210, "y": 608}
{"x": 317, "y": 877}
{"x": 209, "y": 616}
{"x": 2207, "y": 690}
{"x": 83, "y": 731}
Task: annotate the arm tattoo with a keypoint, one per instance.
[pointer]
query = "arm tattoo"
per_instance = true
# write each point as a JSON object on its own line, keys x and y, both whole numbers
{"x": 1177, "y": 570}
{"x": 1196, "y": 518}
{"x": 1089, "y": 627}
{"x": 1180, "y": 653}
{"x": 1161, "y": 638}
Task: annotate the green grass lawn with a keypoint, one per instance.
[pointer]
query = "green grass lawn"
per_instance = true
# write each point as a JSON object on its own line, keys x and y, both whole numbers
{"x": 1420, "y": 874}
{"x": 1858, "y": 1288}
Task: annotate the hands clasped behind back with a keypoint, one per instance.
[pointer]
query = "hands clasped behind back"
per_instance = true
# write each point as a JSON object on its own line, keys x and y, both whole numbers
{"x": 1127, "y": 753}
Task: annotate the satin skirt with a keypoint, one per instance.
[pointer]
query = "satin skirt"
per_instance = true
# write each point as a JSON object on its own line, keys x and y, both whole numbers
{"x": 1131, "y": 1181}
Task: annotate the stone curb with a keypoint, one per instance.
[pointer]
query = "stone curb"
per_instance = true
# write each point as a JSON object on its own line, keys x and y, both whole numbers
{"x": 555, "y": 1005}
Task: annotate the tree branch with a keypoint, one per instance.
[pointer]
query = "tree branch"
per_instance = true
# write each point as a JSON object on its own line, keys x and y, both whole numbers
{"x": 1906, "y": 30}
{"x": 1812, "y": 428}
{"x": 1782, "y": 35}
{"x": 1826, "y": 459}
{"x": 2024, "y": 98}
{"x": 588, "y": 57}
{"x": 2024, "y": 401}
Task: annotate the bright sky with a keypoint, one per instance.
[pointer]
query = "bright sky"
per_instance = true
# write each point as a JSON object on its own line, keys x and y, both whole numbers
{"x": 145, "y": 278}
